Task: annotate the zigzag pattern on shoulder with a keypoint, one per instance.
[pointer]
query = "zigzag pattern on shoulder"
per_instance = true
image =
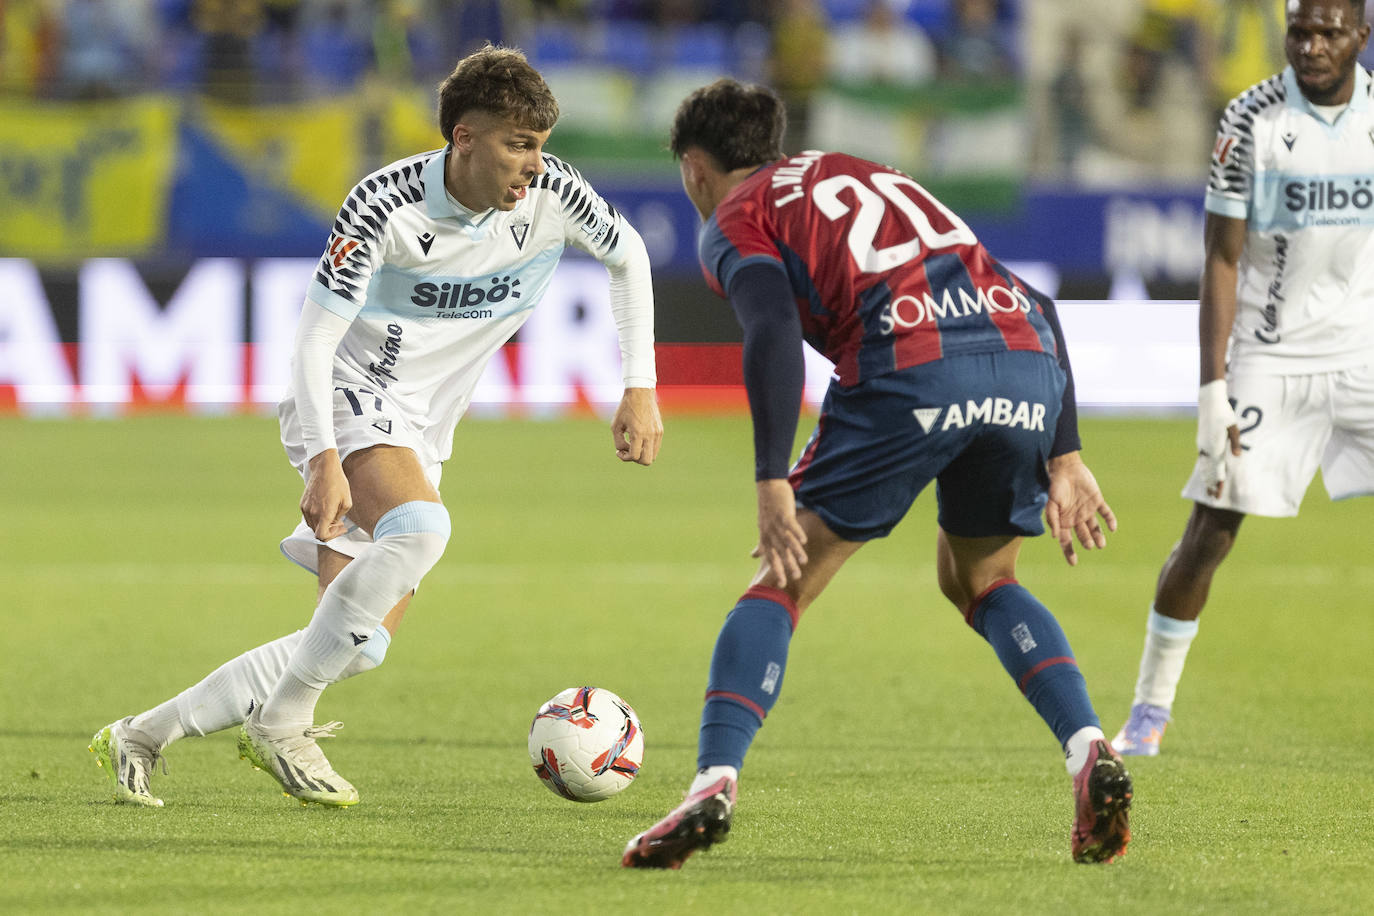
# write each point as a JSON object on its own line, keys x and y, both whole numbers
{"x": 578, "y": 197}
{"x": 364, "y": 215}
{"x": 380, "y": 194}
{"x": 1232, "y": 163}
{"x": 1240, "y": 115}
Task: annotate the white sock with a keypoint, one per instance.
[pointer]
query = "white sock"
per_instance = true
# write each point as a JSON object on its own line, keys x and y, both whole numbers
{"x": 221, "y": 699}
{"x": 408, "y": 541}
{"x": 1077, "y": 747}
{"x": 1161, "y": 664}
{"x": 161, "y": 723}
{"x": 710, "y": 775}
{"x": 291, "y": 702}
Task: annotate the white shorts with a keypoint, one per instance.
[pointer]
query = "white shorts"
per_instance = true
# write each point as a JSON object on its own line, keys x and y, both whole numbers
{"x": 1290, "y": 425}
{"x": 362, "y": 418}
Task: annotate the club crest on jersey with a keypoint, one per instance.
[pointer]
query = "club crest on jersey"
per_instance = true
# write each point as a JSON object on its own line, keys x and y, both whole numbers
{"x": 518, "y": 232}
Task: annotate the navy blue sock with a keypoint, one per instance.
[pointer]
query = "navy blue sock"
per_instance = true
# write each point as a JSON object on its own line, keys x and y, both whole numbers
{"x": 1035, "y": 652}
{"x": 746, "y": 675}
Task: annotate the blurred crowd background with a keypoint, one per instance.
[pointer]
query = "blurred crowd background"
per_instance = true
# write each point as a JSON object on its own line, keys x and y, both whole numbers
{"x": 1069, "y": 134}
{"x": 1102, "y": 92}
{"x": 170, "y": 169}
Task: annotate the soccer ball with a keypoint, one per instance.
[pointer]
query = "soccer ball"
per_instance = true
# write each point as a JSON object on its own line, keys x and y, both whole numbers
{"x": 586, "y": 744}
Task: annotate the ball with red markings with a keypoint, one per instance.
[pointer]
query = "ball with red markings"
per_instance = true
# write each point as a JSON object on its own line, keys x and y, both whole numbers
{"x": 586, "y": 744}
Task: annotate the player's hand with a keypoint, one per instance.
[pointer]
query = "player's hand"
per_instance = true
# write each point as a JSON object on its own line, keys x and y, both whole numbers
{"x": 1074, "y": 506}
{"x": 637, "y": 428}
{"x": 327, "y": 496}
{"x": 782, "y": 542}
{"x": 1218, "y": 435}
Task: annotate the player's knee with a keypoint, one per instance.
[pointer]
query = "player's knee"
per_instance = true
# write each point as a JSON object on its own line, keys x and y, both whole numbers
{"x": 374, "y": 650}
{"x": 951, "y": 587}
{"x": 1208, "y": 539}
{"x": 420, "y": 528}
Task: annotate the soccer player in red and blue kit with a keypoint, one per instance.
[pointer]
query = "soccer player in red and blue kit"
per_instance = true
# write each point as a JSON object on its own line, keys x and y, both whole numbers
{"x": 947, "y": 368}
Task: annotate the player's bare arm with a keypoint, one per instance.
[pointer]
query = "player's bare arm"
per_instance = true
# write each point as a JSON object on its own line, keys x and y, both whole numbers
{"x": 637, "y": 427}
{"x": 1224, "y": 240}
{"x": 782, "y": 541}
{"x": 327, "y": 497}
{"x": 1075, "y": 506}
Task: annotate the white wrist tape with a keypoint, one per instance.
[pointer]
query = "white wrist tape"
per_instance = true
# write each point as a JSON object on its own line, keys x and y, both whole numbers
{"x": 1214, "y": 417}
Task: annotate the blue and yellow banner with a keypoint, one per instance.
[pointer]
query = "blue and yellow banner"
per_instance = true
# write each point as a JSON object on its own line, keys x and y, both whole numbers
{"x": 84, "y": 179}
{"x": 309, "y": 151}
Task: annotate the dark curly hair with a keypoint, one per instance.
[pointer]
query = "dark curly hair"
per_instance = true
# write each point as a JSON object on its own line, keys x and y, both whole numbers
{"x": 500, "y": 81}
{"x": 738, "y": 125}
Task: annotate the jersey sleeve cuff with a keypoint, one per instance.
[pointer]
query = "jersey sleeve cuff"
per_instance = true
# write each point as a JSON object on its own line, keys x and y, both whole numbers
{"x": 323, "y": 445}
{"x": 331, "y": 301}
{"x": 640, "y": 382}
{"x": 1225, "y": 205}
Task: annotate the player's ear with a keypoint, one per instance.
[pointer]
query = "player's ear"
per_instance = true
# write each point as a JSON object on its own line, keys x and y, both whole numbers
{"x": 462, "y": 137}
{"x": 692, "y": 171}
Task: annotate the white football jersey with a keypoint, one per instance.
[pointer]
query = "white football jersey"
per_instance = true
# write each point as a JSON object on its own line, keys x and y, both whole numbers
{"x": 1305, "y": 293}
{"x": 433, "y": 290}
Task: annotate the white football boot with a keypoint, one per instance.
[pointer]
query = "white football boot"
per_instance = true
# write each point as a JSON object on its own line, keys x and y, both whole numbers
{"x": 129, "y": 756}
{"x": 294, "y": 759}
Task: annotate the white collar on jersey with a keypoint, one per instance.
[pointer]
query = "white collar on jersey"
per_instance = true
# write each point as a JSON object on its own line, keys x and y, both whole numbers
{"x": 439, "y": 203}
{"x": 1359, "y": 99}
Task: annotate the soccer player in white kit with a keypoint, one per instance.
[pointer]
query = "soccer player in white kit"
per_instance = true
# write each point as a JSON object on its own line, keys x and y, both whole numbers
{"x": 433, "y": 264}
{"x": 1288, "y": 282}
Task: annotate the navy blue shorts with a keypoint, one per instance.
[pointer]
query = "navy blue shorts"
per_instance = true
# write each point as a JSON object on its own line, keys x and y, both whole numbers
{"x": 979, "y": 425}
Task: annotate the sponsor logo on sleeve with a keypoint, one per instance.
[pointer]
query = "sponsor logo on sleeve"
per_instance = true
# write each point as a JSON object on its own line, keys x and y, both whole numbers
{"x": 597, "y": 225}
{"x": 1222, "y": 151}
{"x": 340, "y": 248}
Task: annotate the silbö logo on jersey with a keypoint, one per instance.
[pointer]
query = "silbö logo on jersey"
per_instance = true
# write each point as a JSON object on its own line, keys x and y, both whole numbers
{"x": 464, "y": 300}
{"x": 1330, "y": 202}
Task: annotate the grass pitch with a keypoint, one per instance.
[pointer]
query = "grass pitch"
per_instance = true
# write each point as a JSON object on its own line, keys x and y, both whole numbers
{"x": 900, "y": 772}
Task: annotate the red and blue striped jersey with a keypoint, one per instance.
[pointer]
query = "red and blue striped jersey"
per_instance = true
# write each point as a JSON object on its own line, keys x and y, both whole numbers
{"x": 884, "y": 275}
